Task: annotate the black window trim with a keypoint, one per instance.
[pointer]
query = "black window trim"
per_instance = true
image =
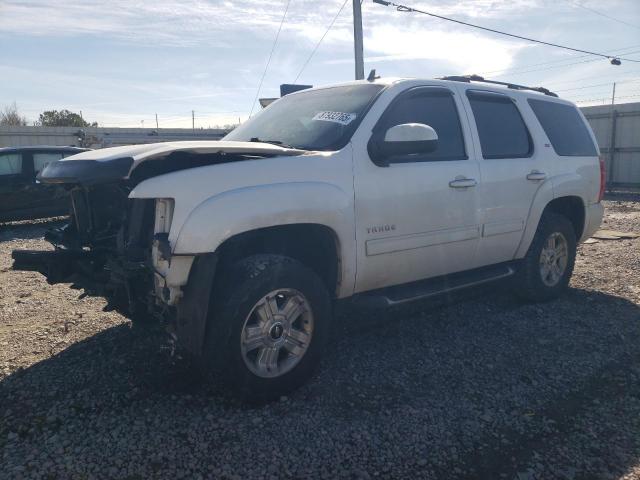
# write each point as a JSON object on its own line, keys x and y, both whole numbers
{"x": 503, "y": 98}
{"x": 429, "y": 90}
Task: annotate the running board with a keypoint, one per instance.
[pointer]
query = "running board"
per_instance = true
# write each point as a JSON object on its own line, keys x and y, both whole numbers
{"x": 422, "y": 289}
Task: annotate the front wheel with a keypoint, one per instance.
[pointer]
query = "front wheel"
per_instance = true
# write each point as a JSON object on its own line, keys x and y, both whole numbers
{"x": 547, "y": 268}
{"x": 268, "y": 326}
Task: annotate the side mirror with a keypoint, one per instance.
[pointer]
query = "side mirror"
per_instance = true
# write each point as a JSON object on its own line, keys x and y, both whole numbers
{"x": 404, "y": 139}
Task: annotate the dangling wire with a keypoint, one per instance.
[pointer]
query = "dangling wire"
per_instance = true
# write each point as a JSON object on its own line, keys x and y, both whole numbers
{"x": 275, "y": 41}
{"x": 320, "y": 41}
{"x": 403, "y": 8}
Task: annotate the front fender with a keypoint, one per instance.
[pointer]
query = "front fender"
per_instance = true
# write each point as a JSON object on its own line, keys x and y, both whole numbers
{"x": 249, "y": 208}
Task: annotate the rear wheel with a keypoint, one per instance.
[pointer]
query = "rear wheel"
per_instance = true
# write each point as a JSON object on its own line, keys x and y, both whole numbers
{"x": 548, "y": 265}
{"x": 268, "y": 326}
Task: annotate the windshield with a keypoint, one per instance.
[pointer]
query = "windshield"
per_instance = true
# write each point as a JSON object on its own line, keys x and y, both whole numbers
{"x": 321, "y": 119}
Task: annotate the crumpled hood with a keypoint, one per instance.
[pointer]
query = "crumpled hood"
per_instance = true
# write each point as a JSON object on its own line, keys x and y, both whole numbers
{"x": 110, "y": 164}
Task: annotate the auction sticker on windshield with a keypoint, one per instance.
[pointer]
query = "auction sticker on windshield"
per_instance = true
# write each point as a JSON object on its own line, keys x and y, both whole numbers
{"x": 336, "y": 117}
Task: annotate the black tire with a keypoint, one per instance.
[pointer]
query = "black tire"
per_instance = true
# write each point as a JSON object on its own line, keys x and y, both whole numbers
{"x": 240, "y": 288}
{"x": 531, "y": 286}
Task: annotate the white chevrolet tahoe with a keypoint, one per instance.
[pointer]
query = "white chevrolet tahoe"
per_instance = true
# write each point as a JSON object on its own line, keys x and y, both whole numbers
{"x": 383, "y": 192}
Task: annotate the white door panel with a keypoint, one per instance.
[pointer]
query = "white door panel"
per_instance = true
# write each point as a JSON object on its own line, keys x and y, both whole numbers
{"x": 410, "y": 223}
{"x": 433, "y": 229}
{"x": 507, "y": 196}
{"x": 512, "y": 169}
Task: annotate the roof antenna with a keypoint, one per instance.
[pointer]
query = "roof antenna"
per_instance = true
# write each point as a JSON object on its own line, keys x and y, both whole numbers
{"x": 372, "y": 76}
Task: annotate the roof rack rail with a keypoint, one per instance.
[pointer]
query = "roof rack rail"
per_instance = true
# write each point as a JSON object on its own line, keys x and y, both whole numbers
{"x": 478, "y": 78}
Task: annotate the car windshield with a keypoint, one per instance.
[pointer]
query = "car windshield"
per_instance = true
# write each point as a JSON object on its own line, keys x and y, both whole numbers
{"x": 322, "y": 119}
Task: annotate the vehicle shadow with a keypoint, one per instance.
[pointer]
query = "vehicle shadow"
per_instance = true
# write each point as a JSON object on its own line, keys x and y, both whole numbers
{"x": 28, "y": 229}
{"x": 473, "y": 389}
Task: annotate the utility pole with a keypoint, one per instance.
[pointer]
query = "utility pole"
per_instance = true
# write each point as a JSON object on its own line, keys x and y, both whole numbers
{"x": 612, "y": 138}
{"x": 193, "y": 120}
{"x": 357, "y": 39}
{"x": 157, "y": 121}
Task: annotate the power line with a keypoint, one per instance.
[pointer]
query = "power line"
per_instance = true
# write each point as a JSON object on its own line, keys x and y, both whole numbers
{"x": 403, "y": 8}
{"x": 607, "y": 98}
{"x": 550, "y": 65}
{"x": 509, "y": 70}
{"x": 320, "y": 41}
{"x": 580, "y": 5}
{"x": 599, "y": 77}
{"x": 266, "y": 67}
{"x": 522, "y": 72}
{"x": 597, "y": 85}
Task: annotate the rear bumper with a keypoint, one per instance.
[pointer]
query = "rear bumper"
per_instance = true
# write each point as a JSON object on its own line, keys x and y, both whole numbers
{"x": 592, "y": 220}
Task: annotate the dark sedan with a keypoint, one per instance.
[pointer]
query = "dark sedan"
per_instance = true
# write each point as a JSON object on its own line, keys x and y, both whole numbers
{"x": 21, "y": 195}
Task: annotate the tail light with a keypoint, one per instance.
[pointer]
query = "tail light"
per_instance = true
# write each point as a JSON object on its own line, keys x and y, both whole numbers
{"x": 603, "y": 179}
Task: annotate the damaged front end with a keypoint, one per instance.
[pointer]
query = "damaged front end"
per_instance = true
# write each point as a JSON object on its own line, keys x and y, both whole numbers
{"x": 118, "y": 247}
{"x": 105, "y": 249}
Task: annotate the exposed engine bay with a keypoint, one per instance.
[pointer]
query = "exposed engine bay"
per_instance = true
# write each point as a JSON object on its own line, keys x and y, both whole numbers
{"x": 114, "y": 246}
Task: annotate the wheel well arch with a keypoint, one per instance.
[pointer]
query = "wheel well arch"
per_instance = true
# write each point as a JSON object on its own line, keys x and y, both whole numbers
{"x": 571, "y": 207}
{"x": 316, "y": 246}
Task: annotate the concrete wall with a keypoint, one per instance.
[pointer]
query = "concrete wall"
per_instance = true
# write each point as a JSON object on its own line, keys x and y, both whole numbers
{"x": 99, "y": 137}
{"x": 622, "y": 124}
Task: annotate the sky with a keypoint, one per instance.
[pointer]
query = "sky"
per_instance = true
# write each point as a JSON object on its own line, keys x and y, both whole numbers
{"x": 121, "y": 62}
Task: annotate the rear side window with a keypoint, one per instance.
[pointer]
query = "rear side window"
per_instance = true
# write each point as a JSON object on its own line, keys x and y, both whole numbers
{"x": 434, "y": 107}
{"x": 10, "y": 164}
{"x": 41, "y": 160}
{"x": 565, "y": 128}
{"x": 502, "y": 131}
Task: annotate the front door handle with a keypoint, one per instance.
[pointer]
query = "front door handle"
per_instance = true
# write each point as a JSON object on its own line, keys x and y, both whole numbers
{"x": 536, "y": 176}
{"x": 463, "y": 183}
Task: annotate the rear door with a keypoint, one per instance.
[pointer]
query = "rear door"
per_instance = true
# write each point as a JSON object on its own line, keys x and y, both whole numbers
{"x": 46, "y": 199}
{"x": 512, "y": 171}
{"x": 415, "y": 218}
{"x": 13, "y": 185}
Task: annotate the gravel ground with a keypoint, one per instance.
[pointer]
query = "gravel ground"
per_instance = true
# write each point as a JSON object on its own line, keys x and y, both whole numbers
{"x": 477, "y": 386}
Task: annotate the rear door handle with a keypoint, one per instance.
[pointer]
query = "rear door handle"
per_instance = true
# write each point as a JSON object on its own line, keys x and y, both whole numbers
{"x": 536, "y": 176}
{"x": 463, "y": 183}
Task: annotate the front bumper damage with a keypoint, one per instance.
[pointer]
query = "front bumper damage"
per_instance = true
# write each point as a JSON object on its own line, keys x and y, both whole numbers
{"x": 116, "y": 252}
{"x": 117, "y": 247}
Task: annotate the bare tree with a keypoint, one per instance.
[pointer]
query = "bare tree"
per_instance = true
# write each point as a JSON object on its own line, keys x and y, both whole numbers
{"x": 9, "y": 115}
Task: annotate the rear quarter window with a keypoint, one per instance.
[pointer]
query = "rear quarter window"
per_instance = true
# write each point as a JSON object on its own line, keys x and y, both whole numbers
{"x": 41, "y": 160}
{"x": 565, "y": 128}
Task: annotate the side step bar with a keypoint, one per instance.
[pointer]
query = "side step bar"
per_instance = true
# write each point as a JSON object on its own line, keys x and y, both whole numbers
{"x": 422, "y": 289}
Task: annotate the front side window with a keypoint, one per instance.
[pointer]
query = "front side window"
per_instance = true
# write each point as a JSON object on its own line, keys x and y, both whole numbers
{"x": 41, "y": 160}
{"x": 434, "y": 107}
{"x": 565, "y": 128}
{"x": 501, "y": 128}
{"x": 10, "y": 164}
{"x": 322, "y": 119}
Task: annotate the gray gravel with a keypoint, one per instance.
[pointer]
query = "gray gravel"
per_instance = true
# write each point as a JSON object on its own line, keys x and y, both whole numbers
{"x": 476, "y": 386}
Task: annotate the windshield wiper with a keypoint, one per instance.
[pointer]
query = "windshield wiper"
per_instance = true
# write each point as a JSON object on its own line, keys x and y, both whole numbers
{"x": 273, "y": 142}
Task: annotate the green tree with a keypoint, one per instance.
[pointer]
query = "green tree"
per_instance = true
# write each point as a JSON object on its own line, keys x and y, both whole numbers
{"x": 63, "y": 118}
{"x": 9, "y": 115}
